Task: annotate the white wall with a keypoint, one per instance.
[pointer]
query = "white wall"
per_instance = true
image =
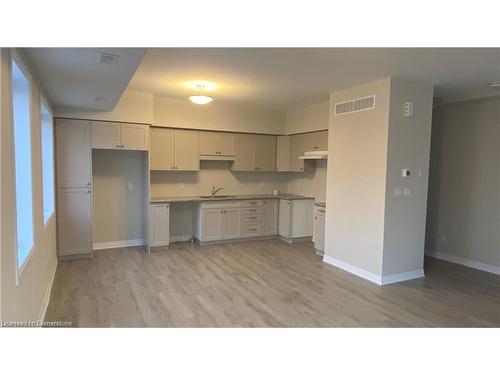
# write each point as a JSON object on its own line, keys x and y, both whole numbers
{"x": 133, "y": 106}
{"x": 118, "y": 212}
{"x": 312, "y": 184}
{"x": 217, "y": 116}
{"x": 355, "y": 193}
{"x": 464, "y": 201}
{"x": 27, "y": 300}
{"x": 308, "y": 118}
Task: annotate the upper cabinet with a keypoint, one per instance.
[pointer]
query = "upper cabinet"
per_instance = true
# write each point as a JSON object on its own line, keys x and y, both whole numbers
{"x": 283, "y": 153}
{"x": 217, "y": 145}
{"x": 73, "y": 153}
{"x": 300, "y": 143}
{"x": 114, "y": 135}
{"x": 174, "y": 149}
{"x": 255, "y": 152}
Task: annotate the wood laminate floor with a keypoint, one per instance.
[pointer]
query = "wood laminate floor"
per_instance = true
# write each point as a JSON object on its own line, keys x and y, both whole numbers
{"x": 261, "y": 284}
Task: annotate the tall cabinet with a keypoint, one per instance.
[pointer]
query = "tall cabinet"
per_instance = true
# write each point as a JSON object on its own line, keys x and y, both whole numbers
{"x": 74, "y": 187}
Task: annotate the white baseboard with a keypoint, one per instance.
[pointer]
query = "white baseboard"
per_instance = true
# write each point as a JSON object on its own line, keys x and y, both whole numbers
{"x": 115, "y": 244}
{"x": 183, "y": 238}
{"x": 464, "y": 261}
{"x": 374, "y": 278}
{"x": 48, "y": 290}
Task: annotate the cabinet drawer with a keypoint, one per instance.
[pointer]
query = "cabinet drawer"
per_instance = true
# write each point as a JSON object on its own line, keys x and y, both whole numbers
{"x": 251, "y": 229}
{"x": 255, "y": 203}
{"x": 251, "y": 218}
{"x": 251, "y": 211}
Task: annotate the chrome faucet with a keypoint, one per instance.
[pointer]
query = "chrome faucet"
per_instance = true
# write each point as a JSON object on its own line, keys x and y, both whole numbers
{"x": 215, "y": 191}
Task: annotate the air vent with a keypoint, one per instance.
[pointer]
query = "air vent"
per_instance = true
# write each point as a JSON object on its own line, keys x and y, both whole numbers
{"x": 108, "y": 59}
{"x": 356, "y": 105}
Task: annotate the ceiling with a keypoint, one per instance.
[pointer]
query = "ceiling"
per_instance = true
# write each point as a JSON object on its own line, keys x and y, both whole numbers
{"x": 282, "y": 78}
{"x": 273, "y": 78}
{"x": 75, "y": 77}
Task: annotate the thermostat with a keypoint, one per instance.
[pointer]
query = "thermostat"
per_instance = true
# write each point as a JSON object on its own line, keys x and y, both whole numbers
{"x": 405, "y": 173}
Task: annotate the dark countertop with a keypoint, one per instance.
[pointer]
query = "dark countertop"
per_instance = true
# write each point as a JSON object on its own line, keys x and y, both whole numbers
{"x": 320, "y": 204}
{"x": 232, "y": 198}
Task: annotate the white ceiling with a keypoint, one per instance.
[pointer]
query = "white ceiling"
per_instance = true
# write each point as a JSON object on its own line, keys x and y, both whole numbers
{"x": 281, "y": 78}
{"x": 75, "y": 77}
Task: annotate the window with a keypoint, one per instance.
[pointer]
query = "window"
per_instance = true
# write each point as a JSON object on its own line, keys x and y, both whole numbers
{"x": 22, "y": 156}
{"x": 47, "y": 162}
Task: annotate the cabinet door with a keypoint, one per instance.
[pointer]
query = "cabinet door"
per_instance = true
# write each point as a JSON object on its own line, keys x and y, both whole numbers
{"x": 319, "y": 232}
{"x": 106, "y": 135}
{"x": 265, "y": 152}
{"x": 209, "y": 143}
{"x": 211, "y": 224}
{"x": 159, "y": 224}
{"x": 186, "y": 150}
{"x": 73, "y": 152}
{"x": 232, "y": 223}
{"x": 74, "y": 223}
{"x": 283, "y": 153}
{"x": 245, "y": 153}
{"x": 270, "y": 217}
{"x": 316, "y": 141}
{"x": 297, "y": 146}
{"x": 226, "y": 144}
{"x": 135, "y": 137}
{"x": 285, "y": 212}
{"x": 161, "y": 153}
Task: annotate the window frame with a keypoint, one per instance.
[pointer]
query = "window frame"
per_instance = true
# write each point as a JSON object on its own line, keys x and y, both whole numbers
{"x": 44, "y": 103}
{"x": 15, "y": 58}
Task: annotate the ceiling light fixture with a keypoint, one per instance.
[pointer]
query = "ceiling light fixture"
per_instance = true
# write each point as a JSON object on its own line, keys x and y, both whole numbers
{"x": 495, "y": 85}
{"x": 201, "y": 96}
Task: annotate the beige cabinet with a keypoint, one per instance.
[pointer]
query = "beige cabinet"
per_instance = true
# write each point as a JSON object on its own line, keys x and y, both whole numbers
{"x": 265, "y": 153}
{"x": 283, "y": 153}
{"x": 316, "y": 141}
{"x": 319, "y": 230}
{"x": 270, "y": 217}
{"x": 216, "y": 145}
{"x": 300, "y": 143}
{"x": 114, "y": 135}
{"x": 245, "y": 153}
{"x": 217, "y": 221}
{"x": 74, "y": 222}
{"x": 159, "y": 223}
{"x": 174, "y": 149}
{"x": 73, "y": 153}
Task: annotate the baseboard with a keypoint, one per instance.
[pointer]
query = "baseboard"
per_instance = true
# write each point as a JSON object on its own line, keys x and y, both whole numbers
{"x": 464, "y": 261}
{"x": 115, "y": 244}
{"x": 183, "y": 238}
{"x": 48, "y": 290}
{"x": 374, "y": 278}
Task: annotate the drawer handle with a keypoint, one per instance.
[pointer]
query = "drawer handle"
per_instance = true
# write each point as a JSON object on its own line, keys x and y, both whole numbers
{"x": 253, "y": 218}
{"x": 252, "y": 230}
{"x": 322, "y": 211}
{"x": 252, "y": 210}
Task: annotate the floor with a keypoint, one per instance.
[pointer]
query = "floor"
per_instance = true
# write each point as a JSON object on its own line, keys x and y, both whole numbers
{"x": 261, "y": 284}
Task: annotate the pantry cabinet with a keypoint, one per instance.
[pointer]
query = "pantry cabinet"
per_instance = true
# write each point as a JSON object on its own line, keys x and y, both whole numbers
{"x": 174, "y": 149}
{"x": 122, "y": 136}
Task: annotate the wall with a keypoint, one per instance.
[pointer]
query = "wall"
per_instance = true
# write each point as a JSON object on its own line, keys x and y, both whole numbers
{"x": 118, "y": 212}
{"x": 355, "y": 193}
{"x": 463, "y": 217}
{"x": 133, "y": 106}
{"x": 216, "y": 116}
{"x": 312, "y": 184}
{"x": 309, "y": 118}
{"x": 201, "y": 182}
{"x": 26, "y": 301}
{"x": 409, "y": 148}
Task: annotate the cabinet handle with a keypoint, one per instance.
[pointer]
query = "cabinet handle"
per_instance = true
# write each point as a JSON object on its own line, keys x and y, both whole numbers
{"x": 88, "y": 191}
{"x": 253, "y": 218}
{"x": 322, "y": 211}
{"x": 88, "y": 183}
{"x": 252, "y": 230}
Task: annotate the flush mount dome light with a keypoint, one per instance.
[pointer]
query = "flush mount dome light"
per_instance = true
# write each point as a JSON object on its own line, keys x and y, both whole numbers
{"x": 495, "y": 85}
{"x": 201, "y": 96}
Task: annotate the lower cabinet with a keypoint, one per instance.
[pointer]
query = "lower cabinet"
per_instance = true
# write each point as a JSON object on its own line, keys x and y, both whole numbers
{"x": 295, "y": 219}
{"x": 74, "y": 221}
{"x": 159, "y": 224}
{"x": 217, "y": 221}
{"x": 319, "y": 230}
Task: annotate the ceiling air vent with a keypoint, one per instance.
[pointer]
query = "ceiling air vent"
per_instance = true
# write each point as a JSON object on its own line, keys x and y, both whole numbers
{"x": 356, "y": 105}
{"x": 108, "y": 58}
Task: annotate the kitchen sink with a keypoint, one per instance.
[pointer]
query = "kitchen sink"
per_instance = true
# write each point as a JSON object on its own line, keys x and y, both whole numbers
{"x": 215, "y": 197}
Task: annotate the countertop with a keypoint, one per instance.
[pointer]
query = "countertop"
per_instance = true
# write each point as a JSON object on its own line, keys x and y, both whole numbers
{"x": 232, "y": 198}
{"x": 320, "y": 204}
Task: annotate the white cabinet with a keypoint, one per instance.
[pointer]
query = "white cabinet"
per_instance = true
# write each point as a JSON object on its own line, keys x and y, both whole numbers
{"x": 319, "y": 230}
{"x": 115, "y": 135}
{"x": 295, "y": 219}
{"x": 215, "y": 221}
{"x": 270, "y": 217}
{"x": 159, "y": 224}
{"x": 74, "y": 221}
